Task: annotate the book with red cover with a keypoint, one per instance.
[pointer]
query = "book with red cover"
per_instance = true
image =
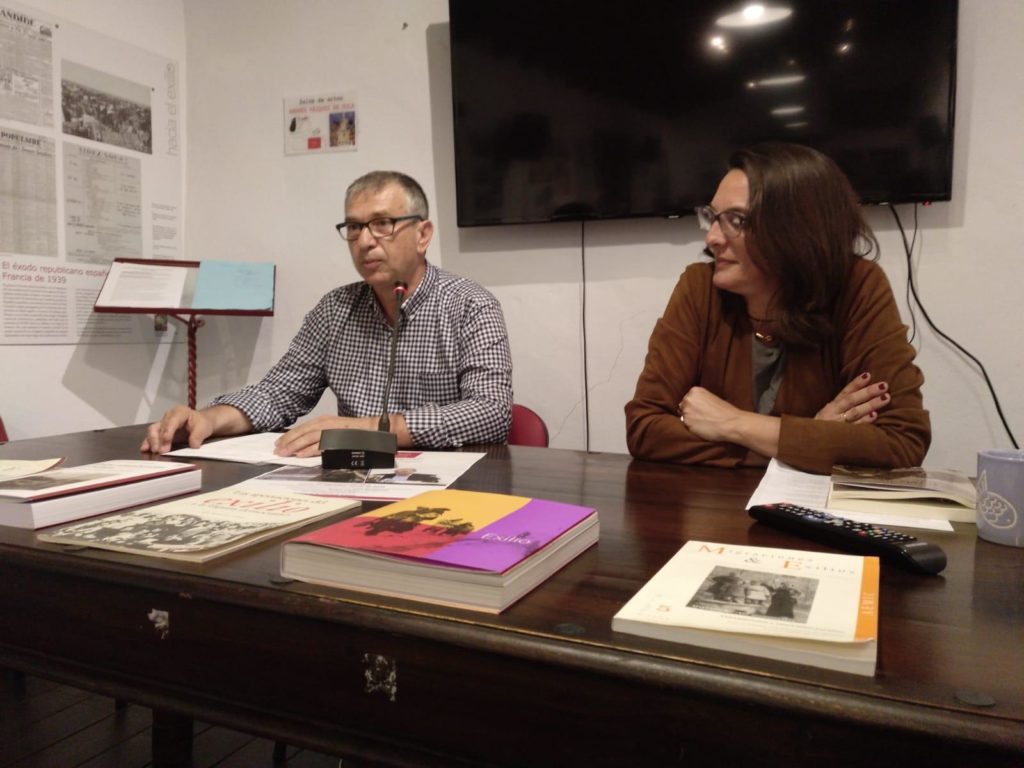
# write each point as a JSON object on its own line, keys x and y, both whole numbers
{"x": 70, "y": 493}
{"x": 474, "y": 550}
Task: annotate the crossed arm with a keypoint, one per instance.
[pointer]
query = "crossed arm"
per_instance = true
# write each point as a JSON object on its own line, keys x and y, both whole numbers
{"x": 713, "y": 419}
{"x": 853, "y": 400}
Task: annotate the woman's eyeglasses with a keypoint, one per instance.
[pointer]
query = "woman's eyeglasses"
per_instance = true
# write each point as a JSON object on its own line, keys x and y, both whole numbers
{"x": 732, "y": 223}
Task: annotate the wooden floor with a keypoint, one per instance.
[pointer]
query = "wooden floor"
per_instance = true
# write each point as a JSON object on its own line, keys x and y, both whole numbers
{"x": 47, "y": 725}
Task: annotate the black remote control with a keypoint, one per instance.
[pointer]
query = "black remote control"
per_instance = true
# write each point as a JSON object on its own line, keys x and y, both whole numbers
{"x": 862, "y": 538}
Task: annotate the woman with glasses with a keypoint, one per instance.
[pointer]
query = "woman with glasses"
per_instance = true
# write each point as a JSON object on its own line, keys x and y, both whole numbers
{"x": 789, "y": 343}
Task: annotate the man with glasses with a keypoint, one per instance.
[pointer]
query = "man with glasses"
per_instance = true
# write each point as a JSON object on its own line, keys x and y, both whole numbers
{"x": 453, "y": 371}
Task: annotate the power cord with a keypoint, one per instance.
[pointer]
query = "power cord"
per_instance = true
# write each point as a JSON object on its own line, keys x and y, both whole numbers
{"x": 910, "y": 272}
{"x": 583, "y": 323}
{"x": 912, "y": 288}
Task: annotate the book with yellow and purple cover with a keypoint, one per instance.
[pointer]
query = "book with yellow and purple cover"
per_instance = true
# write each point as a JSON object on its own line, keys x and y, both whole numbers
{"x": 474, "y": 550}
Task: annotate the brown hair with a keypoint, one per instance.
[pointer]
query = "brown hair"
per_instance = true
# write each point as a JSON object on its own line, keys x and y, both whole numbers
{"x": 804, "y": 227}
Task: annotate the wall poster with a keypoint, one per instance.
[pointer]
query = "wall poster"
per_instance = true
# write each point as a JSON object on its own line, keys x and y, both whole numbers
{"x": 90, "y": 171}
{"x": 317, "y": 124}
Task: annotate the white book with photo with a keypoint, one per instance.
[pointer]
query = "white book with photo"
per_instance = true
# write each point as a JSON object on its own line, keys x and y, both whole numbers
{"x": 813, "y": 608}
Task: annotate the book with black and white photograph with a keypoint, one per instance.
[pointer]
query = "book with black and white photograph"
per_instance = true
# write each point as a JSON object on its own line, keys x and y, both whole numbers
{"x": 813, "y": 608}
{"x": 201, "y": 527}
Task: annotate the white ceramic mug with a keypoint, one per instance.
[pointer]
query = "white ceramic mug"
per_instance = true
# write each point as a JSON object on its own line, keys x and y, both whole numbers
{"x": 1000, "y": 513}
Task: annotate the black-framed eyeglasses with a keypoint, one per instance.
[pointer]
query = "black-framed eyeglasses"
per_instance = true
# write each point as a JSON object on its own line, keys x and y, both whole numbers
{"x": 383, "y": 226}
{"x": 731, "y": 222}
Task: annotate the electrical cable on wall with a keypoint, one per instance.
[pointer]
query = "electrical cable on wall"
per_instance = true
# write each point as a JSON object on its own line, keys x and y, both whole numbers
{"x": 583, "y": 323}
{"x": 910, "y": 282}
{"x": 908, "y": 249}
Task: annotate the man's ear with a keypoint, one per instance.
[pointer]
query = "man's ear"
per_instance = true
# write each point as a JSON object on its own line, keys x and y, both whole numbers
{"x": 424, "y": 232}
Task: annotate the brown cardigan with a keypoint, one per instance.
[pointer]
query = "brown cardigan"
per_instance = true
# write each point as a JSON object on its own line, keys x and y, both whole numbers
{"x": 697, "y": 343}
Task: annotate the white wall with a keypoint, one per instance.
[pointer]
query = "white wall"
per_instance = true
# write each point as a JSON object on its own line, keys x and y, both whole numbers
{"x": 246, "y": 200}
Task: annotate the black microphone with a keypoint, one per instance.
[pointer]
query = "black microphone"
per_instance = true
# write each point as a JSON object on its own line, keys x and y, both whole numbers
{"x": 401, "y": 290}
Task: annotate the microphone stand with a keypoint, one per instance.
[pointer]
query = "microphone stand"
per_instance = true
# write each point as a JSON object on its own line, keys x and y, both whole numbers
{"x": 368, "y": 448}
{"x": 401, "y": 289}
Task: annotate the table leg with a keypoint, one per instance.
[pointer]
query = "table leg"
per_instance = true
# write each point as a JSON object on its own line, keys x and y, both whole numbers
{"x": 172, "y": 739}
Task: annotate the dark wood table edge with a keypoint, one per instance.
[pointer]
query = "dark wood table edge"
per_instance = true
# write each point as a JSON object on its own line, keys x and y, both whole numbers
{"x": 689, "y": 676}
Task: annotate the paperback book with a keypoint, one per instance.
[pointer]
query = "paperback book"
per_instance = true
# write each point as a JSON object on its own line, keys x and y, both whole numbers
{"x": 201, "y": 527}
{"x": 481, "y": 551}
{"x": 914, "y": 492}
{"x": 58, "y": 495}
{"x": 811, "y": 608}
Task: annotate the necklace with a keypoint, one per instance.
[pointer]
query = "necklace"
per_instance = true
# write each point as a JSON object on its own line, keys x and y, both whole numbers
{"x": 762, "y": 335}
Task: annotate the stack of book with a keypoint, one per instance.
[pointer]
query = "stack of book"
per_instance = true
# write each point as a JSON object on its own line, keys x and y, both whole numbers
{"x": 55, "y": 496}
{"x": 808, "y": 608}
{"x": 942, "y": 494}
{"x": 481, "y": 551}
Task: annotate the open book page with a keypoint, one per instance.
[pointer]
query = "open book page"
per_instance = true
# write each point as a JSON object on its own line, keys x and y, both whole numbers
{"x": 135, "y": 286}
{"x": 235, "y": 285}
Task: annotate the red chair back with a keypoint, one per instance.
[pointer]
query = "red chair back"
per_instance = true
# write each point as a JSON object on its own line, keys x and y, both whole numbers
{"x": 527, "y": 428}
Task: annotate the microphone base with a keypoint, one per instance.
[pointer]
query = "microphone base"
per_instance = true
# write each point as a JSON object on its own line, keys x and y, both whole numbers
{"x": 357, "y": 449}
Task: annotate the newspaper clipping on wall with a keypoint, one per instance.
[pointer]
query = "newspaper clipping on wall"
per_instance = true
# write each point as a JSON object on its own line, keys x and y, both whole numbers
{"x": 90, "y": 171}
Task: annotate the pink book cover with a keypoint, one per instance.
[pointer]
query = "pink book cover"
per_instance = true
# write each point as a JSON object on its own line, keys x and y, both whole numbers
{"x": 462, "y": 529}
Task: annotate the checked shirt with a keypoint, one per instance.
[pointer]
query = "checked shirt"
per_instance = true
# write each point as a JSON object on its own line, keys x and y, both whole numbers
{"x": 453, "y": 370}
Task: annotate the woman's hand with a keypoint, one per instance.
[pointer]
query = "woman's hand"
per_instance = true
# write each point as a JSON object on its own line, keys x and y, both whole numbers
{"x": 711, "y": 418}
{"x": 858, "y": 402}
{"x": 708, "y": 416}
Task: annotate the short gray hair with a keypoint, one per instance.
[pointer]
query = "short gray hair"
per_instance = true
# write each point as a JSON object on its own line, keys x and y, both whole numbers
{"x": 374, "y": 181}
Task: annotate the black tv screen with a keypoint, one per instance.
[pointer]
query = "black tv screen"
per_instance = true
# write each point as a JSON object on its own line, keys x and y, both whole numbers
{"x": 580, "y": 110}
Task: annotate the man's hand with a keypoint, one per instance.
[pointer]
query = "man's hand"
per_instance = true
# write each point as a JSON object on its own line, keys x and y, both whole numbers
{"x": 304, "y": 440}
{"x": 858, "y": 402}
{"x": 179, "y": 423}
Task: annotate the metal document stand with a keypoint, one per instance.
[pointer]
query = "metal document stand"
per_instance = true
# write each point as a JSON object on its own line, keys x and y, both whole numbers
{"x": 208, "y": 288}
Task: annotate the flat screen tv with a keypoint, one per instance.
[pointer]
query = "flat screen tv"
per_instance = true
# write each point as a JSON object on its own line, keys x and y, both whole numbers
{"x": 591, "y": 110}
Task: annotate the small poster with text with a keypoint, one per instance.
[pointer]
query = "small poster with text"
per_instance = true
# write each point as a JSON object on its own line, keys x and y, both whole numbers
{"x": 314, "y": 124}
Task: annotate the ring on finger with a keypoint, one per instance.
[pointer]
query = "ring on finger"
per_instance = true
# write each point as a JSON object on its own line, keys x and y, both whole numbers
{"x": 846, "y": 416}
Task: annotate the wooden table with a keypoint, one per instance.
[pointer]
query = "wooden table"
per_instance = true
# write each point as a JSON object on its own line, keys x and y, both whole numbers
{"x": 386, "y": 681}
